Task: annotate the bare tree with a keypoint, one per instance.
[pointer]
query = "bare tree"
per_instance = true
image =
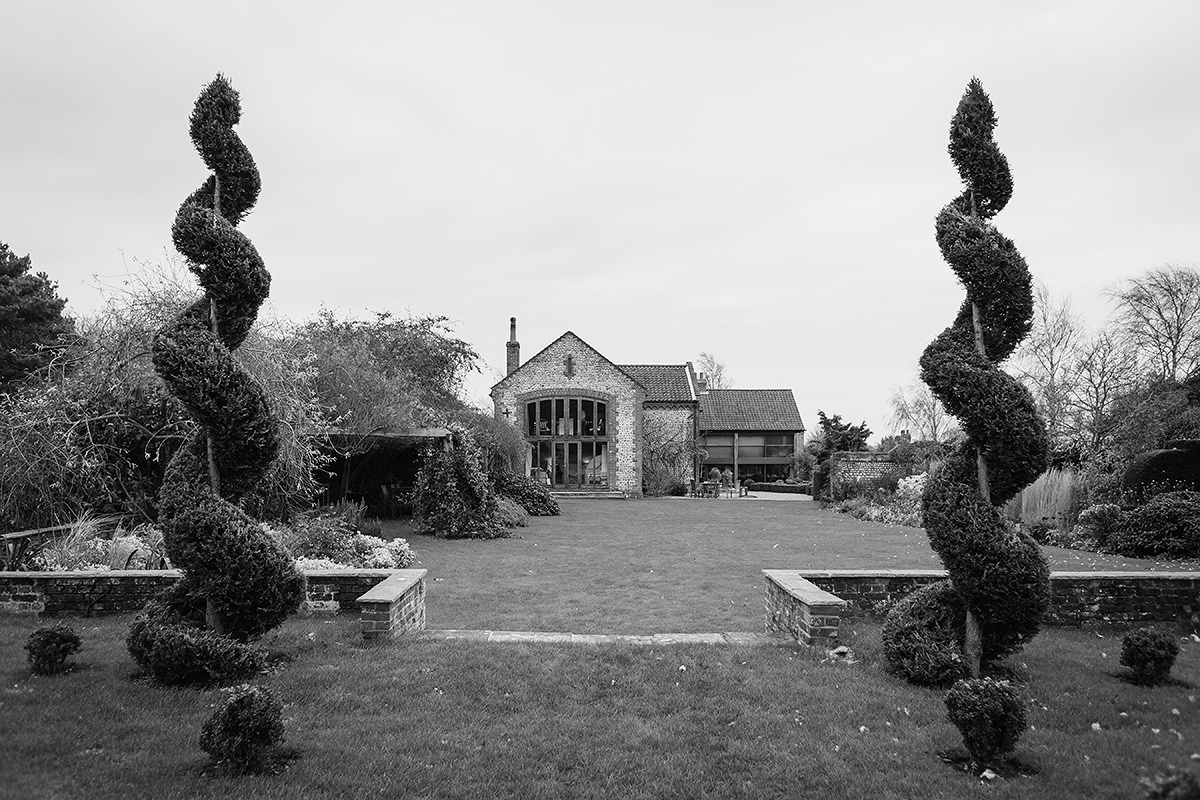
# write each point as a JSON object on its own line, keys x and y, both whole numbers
{"x": 918, "y": 410}
{"x": 1104, "y": 369}
{"x": 714, "y": 370}
{"x": 668, "y": 453}
{"x": 1160, "y": 313}
{"x": 1045, "y": 359}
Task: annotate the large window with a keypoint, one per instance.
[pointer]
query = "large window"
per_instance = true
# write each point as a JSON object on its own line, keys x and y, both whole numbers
{"x": 719, "y": 448}
{"x": 759, "y": 455}
{"x": 568, "y": 441}
{"x": 779, "y": 445}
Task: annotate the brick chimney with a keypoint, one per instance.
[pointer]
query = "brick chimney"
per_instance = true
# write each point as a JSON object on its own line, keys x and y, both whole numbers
{"x": 701, "y": 383}
{"x": 514, "y": 347}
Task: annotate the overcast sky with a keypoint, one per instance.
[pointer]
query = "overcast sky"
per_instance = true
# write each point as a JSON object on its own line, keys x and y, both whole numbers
{"x": 754, "y": 179}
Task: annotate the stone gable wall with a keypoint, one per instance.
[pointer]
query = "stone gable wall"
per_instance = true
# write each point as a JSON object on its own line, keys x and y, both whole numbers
{"x": 592, "y": 376}
{"x": 669, "y": 435}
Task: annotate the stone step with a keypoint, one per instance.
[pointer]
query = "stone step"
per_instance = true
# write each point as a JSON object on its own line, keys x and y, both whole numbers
{"x": 593, "y": 495}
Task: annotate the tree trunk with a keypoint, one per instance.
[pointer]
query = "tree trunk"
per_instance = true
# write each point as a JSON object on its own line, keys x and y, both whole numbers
{"x": 973, "y": 645}
{"x": 213, "y": 620}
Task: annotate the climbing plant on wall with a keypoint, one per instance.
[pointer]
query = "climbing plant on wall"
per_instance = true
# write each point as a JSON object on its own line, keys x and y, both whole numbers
{"x": 999, "y": 588}
{"x": 238, "y": 582}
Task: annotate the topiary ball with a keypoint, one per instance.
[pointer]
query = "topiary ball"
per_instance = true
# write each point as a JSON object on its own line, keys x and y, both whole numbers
{"x": 923, "y": 635}
{"x": 176, "y": 654}
{"x": 246, "y": 725}
{"x": 49, "y": 647}
{"x": 1150, "y": 653}
{"x": 990, "y": 714}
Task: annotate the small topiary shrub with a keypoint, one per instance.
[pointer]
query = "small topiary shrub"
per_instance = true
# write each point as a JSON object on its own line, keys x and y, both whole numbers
{"x": 990, "y": 714}
{"x": 48, "y": 648}
{"x": 923, "y": 634}
{"x": 1176, "y": 784}
{"x": 1150, "y": 653}
{"x": 1168, "y": 524}
{"x": 245, "y": 727}
{"x": 532, "y": 496}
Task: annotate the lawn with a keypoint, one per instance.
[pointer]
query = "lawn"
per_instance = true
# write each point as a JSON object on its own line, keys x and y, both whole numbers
{"x": 450, "y": 719}
{"x": 663, "y": 565}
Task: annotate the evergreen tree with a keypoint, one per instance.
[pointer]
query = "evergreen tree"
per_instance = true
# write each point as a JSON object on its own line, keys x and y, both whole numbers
{"x": 238, "y": 581}
{"x": 31, "y": 319}
{"x": 999, "y": 587}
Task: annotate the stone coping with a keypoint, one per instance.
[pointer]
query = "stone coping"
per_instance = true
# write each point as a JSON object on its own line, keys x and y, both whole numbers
{"x": 741, "y": 639}
{"x": 941, "y": 573}
{"x": 394, "y": 585}
{"x": 175, "y": 573}
{"x": 794, "y": 582}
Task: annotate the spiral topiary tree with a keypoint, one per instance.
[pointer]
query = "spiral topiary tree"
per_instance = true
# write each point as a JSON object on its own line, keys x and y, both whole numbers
{"x": 999, "y": 585}
{"x": 238, "y": 582}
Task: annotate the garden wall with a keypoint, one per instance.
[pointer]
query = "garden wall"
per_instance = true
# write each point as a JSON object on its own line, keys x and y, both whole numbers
{"x": 122, "y": 591}
{"x": 851, "y": 473}
{"x": 1077, "y": 597}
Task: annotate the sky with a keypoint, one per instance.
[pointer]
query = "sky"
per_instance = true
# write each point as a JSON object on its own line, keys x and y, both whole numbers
{"x": 757, "y": 180}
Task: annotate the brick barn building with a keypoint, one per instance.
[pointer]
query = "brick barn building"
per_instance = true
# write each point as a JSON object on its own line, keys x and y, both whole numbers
{"x": 594, "y": 426}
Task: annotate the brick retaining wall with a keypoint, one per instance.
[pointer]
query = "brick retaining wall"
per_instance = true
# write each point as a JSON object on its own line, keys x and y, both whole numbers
{"x": 123, "y": 591}
{"x": 1077, "y": 597}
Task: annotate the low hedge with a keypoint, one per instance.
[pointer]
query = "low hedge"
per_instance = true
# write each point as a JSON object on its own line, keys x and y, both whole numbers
{"x": 782, "y": 488}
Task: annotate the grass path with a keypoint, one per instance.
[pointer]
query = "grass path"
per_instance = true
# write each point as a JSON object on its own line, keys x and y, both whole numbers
{"x": 662, "y": 565}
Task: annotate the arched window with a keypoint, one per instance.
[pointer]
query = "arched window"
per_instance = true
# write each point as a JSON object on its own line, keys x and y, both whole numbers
{"x": 568, "y": 442}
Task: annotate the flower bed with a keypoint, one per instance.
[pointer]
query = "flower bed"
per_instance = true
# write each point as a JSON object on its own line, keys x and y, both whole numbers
{"x": 99, "y": 593}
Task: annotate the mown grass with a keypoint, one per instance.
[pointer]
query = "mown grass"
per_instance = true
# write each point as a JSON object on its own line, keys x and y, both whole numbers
{"x": 663, "y": 565}
{"x": 453, "y": 719}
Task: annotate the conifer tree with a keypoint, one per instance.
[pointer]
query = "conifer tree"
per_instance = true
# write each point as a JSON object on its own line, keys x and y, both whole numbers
{"x": 238, "y": 582}
{"x": 31, "y": 318}
{"x": 999, "y": 586}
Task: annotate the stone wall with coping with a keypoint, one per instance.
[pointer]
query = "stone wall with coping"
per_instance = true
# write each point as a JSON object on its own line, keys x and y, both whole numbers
{"x": 87, "y": 594}
{"x": 1124, "y": 598}
{"x": 848, "y": 471}
{"x": 395, "y": 606}
{"x": 802, "y": 610}
{"x": 591, "y": 375}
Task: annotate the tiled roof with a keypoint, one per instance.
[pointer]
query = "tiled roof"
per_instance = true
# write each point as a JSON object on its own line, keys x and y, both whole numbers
{"x": 665, "y": 383}
{"x": 749, "y": 410}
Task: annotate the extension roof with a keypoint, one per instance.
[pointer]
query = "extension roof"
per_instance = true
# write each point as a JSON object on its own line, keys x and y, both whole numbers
{"x": 664, "y": 383}
{"x": 749, "y": 410}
